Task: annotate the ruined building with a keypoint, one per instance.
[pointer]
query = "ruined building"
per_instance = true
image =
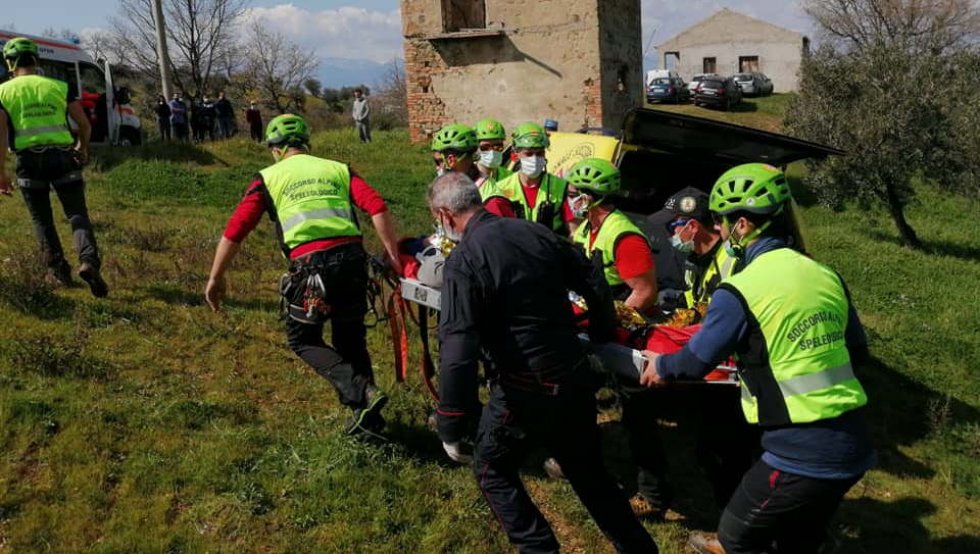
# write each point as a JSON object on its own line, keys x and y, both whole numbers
{"x": 576, "y": 61}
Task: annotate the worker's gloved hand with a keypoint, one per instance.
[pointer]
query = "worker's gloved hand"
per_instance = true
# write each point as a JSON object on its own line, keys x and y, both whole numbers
{"x": 458, "y": 452}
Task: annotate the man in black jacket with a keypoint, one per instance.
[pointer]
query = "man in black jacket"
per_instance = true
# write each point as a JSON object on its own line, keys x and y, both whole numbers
{"x": 505, "y": 291}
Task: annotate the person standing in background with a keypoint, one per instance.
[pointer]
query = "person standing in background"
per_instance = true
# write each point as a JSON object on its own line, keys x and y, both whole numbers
{"x": 361, "y": 113}
{"x": 178, "y": 117}
{"x": 254, "y": 119}
{"x": 226, "y": 116}
{"x": 163, "y": 117}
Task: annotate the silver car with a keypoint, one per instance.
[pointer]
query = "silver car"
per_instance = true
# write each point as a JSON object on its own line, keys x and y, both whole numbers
{"x": 692, "y": 87}
{"x": 753, "y": 84}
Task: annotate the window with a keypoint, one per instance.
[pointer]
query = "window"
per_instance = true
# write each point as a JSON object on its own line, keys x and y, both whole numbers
{"x": 748, "y": 64}
{"x": 62, "y": 71}
{"x": 93, "y": 80}
{"x": 710, "y": 65}
{"x": 463, "y": 14}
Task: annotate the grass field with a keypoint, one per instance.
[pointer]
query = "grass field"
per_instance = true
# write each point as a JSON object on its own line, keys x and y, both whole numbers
{"x": 765, "y": 112}
{"x": 145, "y": 423}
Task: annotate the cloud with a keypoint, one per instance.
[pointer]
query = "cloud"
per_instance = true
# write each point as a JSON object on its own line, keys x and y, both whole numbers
{"x": 345, "y": 32}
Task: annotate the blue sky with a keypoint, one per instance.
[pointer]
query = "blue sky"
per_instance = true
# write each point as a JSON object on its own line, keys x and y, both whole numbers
{"x": 342, "y": 32}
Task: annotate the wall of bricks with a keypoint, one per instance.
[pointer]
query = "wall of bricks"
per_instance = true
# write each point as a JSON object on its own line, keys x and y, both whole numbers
{"x": 561, "y": 59}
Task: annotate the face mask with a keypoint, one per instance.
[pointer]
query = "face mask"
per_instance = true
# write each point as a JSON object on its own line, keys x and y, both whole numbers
{"x": 580, "y": 206}
{"x": 491, "y": 159}
{"x": 441, "y": 170}
{"x": 532, "y": 166}
{"x": 684, "y": 246}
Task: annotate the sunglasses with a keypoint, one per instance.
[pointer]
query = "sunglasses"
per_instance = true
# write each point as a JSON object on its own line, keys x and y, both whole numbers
{"x": 488, "y": 147}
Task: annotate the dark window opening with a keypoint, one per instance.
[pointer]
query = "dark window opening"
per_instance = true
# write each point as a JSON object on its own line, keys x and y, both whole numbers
{"x": 710, "y": 65}
{"x": 748, "y": 64}
{"x": 671, "y": 60}
{"x": 458, "y": 15}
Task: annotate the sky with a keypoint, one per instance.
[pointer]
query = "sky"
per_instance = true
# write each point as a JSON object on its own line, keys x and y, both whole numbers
{"x": 356, "y": 38}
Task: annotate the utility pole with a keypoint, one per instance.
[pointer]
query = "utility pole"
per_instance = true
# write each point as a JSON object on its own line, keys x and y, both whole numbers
{"x": 163, "y": 58}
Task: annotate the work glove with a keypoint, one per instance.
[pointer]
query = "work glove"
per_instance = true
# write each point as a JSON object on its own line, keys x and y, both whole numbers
{"x": 458, "y": 452}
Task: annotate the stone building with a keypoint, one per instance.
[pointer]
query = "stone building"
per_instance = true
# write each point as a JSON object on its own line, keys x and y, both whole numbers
{"x": 729, "y": 42}
{"x": 576, "y": 61}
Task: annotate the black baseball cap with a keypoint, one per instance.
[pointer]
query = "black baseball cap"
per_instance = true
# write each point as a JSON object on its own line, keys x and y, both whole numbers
{"x": 688, "y": 202}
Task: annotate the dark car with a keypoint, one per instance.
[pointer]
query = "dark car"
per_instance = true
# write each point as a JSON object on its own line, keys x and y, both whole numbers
{"x": 754, "y": 84}
{"x": 722, "y": 92}
{"x": 667, "y": 90}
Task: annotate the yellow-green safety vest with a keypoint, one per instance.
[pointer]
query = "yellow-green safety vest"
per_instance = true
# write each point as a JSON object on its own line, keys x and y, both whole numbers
{"x": 699, "y": 289}
{"x": 794, "y": 366}
{"x": 38, "y": 111}
{"x": 551, "y": 192}
{"x": 614, "y": 228}
{"x": 311, "y": 199}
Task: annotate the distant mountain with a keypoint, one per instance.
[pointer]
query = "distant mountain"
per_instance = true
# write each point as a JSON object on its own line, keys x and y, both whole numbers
{"x": 343, "y": 72}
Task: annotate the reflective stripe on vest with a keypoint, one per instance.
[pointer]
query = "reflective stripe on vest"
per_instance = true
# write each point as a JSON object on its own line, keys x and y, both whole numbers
{"x": 38, "y": 110}
{"x": 552, "y": 190}
{"x": 614, "y": 228}
{"x": 721, "y": 266}
{"x": 795, "y": 366}
{"x": 311, "y": 199}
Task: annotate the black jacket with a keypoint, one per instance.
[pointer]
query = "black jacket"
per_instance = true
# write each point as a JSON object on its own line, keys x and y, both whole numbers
{"x": 505, "y": 291}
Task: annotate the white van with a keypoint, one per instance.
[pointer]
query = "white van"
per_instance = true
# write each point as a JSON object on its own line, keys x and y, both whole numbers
{"x": 655, "y": 74}
{"x": 113, "y": 119}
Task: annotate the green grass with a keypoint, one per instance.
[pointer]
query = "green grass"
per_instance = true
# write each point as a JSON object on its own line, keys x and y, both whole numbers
{"x": 145, "y": 423}
{"x": 765, "y": 112}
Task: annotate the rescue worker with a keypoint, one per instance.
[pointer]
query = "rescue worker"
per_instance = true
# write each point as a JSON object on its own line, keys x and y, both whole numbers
{"x": 797, "y": 336}
{"x": 609, "y": 234}
{"x": 34, "y": 113}
{"x": 692, "y": 232}
{"x": 490, "y": 136}
{"x": 453, "y": 150}
{"x": 620, "y": 247}
{"x": 311, "y": 200}
{"x": 725, "y": 443}
{"x": 535, "y": 194}
{"x": 505, "y": 290}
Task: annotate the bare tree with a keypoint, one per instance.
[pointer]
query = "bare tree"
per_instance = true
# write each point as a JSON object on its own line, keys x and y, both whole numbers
{"x": 390, "y": 101}
{"x": 275, "y": 69}
{"x": 916, "y": 26}
{"x": 201, "y": 33}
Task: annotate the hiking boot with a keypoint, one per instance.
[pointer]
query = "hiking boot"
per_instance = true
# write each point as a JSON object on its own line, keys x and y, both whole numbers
{"x": 643, "y": 508}
{"x": 704, "y": 543}
{"x": 366, "y": 418}
{"x": 553, "y": 469}
{"x": 61, "y": 274}
{"x": 90, "y": 274}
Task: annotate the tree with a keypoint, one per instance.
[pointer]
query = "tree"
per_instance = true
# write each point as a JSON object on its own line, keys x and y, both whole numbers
{"x": 391, "y": 100}
{"x": 313, "y": 87}
{"x": 878, "y": 89}
{"x": 201, "y": 35}
{"x": 276, "y": 69}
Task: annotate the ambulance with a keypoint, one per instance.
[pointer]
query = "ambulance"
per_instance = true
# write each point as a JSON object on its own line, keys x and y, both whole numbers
{"x": 113, "y": 120}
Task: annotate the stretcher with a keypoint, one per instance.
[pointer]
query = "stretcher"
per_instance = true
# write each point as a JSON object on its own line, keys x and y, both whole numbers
{"x": 618, "y": 359}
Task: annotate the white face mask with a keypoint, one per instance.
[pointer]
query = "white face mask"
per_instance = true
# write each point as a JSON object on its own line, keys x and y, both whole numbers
{"x": 491, "y": 159}
{"x": 449, "y": 233}
{"x": 579, "y": 205}
{"x": 683, "y": 246}
{"x": 532, "y": 166}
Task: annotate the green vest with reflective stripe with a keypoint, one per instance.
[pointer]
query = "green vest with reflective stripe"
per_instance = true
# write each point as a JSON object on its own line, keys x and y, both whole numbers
{"x": 794, "y": 367}
{"x": 699, "y": 289}
{"x": 551, "y": 193}
{"x": 311, "y": 198}
{"x": 614, "y": 228}
{"x": 38, "y": 111}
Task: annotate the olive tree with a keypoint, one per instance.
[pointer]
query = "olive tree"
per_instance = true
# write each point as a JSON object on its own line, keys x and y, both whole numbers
{"x": 878, "y": 88}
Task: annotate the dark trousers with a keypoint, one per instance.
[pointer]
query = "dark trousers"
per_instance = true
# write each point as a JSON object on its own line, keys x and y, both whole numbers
{"x": 164, "y": 126}
{"x": 225, "y": 126}
{"x": 57, "y": 168}
{"x": 255, "y": 129}
{"x": 726, "y": 445}
{"x": 776, "y": 512}
{"x": 514, "y": 421}
{"x": 346, "y": 364}
{"x": 180, "y": 131}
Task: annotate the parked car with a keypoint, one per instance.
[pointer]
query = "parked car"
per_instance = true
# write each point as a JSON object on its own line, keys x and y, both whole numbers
{"x": 655, "y": 74}
{"x": 692, "y": 87}
{"x": 722, "y": 92}
{"x": 668, "y": 90}
{"x": 754, "y": 84}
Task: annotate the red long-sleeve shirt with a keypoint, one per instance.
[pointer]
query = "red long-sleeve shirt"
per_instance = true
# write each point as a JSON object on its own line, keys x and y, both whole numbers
{"x": 255, "y": 203}
{"x": 632, "y": 256}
